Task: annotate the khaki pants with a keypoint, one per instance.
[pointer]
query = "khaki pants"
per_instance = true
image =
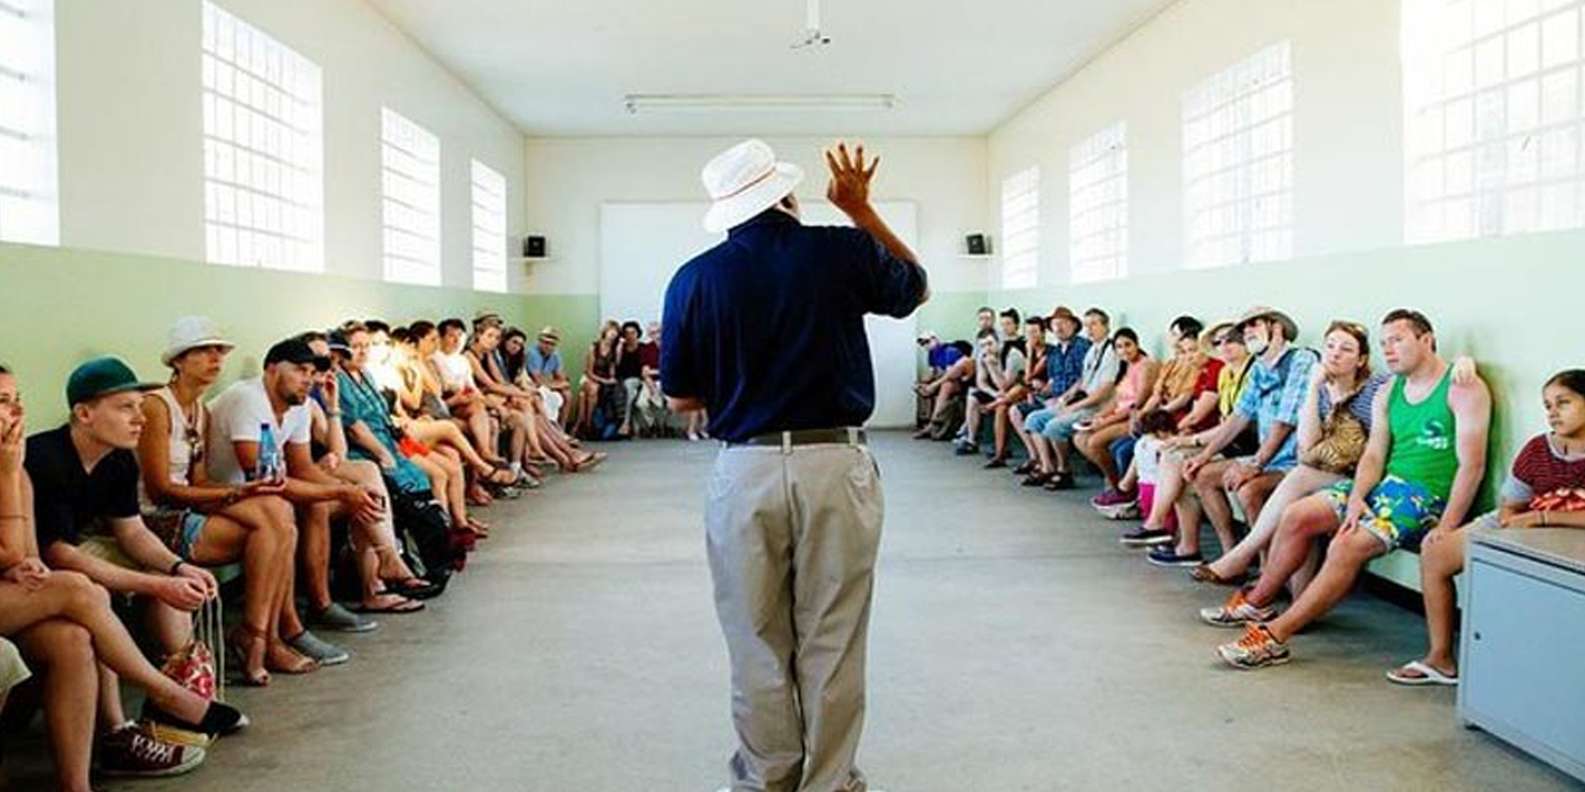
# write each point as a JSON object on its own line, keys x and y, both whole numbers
{"x": 792, "y": 537}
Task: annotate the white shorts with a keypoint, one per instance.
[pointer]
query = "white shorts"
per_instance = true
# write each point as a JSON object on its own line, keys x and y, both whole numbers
{"x": 553, "y": 400}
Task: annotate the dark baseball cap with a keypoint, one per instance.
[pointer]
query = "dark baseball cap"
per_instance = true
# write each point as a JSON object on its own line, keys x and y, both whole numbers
{"x": 102, "y": 377}
{"x": 294, "y": 350}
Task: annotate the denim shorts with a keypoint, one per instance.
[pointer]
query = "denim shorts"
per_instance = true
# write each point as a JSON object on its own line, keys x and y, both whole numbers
{"x": 179, "y": 528}
{"x": 1036, "y": 421}
{"x": 1061, "y": 428}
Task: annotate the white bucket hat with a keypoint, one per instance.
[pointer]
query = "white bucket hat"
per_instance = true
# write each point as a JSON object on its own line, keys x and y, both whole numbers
{"x": 743, "y": 181}
{"x": 191, "y": 332}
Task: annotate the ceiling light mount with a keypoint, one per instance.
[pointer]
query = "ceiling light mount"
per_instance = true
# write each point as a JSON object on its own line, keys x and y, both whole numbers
{"x": 813, "y": 36}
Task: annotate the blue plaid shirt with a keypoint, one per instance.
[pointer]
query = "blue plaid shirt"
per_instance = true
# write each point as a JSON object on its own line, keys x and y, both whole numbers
{"x": 1274, "y": 395}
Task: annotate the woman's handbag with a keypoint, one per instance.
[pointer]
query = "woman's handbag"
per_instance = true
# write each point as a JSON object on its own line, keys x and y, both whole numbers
{"x": 199, "y": 668}
{"x": 1342, "y": 441}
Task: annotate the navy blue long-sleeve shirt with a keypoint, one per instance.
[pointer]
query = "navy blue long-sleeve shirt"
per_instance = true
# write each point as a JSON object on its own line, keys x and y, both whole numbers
{"x": 767, "y": 328}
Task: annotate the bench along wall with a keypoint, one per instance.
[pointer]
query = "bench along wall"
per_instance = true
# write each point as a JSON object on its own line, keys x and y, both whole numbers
{"x": 1517, "y": 305}
{"x": 61, "y": 306}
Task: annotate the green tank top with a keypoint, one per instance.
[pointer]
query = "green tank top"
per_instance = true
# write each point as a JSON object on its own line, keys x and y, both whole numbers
{"x": 1423, "y": 438}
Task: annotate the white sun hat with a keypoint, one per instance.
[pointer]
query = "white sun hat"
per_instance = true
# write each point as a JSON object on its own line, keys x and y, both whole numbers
{"x": 192, "y": 332}
{"x": 743, "y": 181}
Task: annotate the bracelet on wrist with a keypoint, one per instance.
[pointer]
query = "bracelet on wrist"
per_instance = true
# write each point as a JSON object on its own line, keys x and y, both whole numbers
{"x": 176, "y": 566}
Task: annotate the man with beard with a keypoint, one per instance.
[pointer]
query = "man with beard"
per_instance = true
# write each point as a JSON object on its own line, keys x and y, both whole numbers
{"x": 209, "y": 523}
{"x": 236, "y": 426}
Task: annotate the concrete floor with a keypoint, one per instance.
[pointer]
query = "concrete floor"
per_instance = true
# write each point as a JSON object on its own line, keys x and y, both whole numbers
{"x": 1015, "y": 646}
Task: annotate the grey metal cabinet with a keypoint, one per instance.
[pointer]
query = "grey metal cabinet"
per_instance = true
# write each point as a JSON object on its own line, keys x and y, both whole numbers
{"x": 1522, "y": 668}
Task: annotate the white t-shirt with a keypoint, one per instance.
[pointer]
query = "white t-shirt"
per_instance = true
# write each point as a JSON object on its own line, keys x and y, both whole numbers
{"x": 1147, "y": 458}
{"x": 455, "y": 371}
{"x": 385, "y": 376}
{"x": 236, "y": 415}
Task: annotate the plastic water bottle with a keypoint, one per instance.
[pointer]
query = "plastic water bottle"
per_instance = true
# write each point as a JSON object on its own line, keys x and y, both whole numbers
{"x": 268, "y": 467}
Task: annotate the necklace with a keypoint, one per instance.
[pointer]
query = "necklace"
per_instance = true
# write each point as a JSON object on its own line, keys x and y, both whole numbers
{"x": 191, "y": 423}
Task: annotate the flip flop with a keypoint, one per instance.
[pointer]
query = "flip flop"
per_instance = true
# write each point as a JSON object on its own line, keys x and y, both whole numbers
{"x": 1426, "y": 675}
{"x": 402, "y": 605}
{"x": 414, "y": 588}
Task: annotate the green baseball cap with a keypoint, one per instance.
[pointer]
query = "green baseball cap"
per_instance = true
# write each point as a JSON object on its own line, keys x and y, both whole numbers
{"x": 102, "y": 377}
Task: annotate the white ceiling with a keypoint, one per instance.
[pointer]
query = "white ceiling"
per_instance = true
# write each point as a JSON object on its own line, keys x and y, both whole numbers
{"x": 957, "y": 68}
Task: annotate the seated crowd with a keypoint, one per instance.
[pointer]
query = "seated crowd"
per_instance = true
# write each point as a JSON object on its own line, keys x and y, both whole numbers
{"x": 341, "y": 483}
{"x": 1329, "y": 463}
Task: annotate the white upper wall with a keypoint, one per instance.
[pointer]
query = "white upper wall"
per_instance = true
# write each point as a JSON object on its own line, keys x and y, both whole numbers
{"x": 570, "y": 177}
{"x": 1348, "y": 121}
{"x": 131, "y": 126}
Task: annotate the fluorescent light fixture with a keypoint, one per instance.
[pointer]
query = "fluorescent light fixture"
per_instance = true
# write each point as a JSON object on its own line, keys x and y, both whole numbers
{"x": 647, "y": 103}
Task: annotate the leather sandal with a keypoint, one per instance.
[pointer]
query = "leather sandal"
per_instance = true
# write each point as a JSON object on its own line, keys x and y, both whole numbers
{"x": 242, "y": 642}
{"x": 1205, "y": 574}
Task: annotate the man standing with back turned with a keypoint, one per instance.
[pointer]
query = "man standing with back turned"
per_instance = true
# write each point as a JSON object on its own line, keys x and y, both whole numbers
{"x": 793, "y": 517}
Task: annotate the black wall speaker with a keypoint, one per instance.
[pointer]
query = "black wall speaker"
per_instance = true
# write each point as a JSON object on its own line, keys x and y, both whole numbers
{"x": 977, "y": 244}
{"x": 534, "y": 247}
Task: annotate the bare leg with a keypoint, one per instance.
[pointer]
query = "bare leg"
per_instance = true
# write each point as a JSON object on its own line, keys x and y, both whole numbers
{"x": 1302, "y": 523}
{"x": 561, "y": 450}
{"x": 1059, "y": 447}
{"x": 1252, "y": 498}
{"x": 456, "y": 487}
{"x": 1130, "y": 479}
{"x": 1043, "y": 451}
{"x": 446, "y": 433}
{"x": 1299, "y": 482}
{"x": 1348, "y": 555}
{"x": 999, "y": 431}
{"x": 1020, "y": 428}
{"x": 314, "y": 550}
{"x": 1169, "y": 485}
{"x": 527, "y": 440}
{"x": 1097, "y": 447}
{"x": 971, "y": 422}
{"x": 1190, "y": 515}
{"x": 279, "y": 656}
{"x": 590, "y": 393}
{"x": 1439, "y": 563}
{"x": 566, "y": 407}
{"x": 381, "y": 536}
{"x": 1305, "y": 574}
{"x": 171, "y": 628}
{"x": 111, "y": 713}
{"x": 1213, "y": 497}
{"x": 75, "y": 598}
{"x": 440, "y": 487}
{"x": 364, "y": 537}
{"x": 478, "y": 420}
{"x": 64, "y": 654}
{"x": 254, "y": 530}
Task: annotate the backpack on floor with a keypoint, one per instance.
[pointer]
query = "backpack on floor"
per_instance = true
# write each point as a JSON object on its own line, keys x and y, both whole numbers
{"x": 426, "y": 534}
